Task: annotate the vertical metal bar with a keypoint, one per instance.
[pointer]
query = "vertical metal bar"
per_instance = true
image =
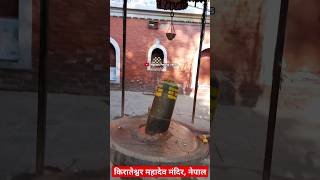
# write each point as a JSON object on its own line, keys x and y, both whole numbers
{"x": 124, "y": 38}
{"x": 275, "y": 89}
{"x": 42, "y": 89}
{"x": 203, "y": 22}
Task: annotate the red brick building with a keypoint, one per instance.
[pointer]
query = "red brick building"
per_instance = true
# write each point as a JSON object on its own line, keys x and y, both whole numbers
{"x": 77, "y": 43}
{"x": 146, "y": 39}
{"x": 242, "y": 45}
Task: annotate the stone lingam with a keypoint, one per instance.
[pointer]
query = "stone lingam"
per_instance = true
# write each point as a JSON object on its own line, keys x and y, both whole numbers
{"x": 155, "y": 138}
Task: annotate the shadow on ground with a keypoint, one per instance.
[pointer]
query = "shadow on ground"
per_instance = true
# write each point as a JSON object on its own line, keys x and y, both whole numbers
{"x": 240, "y": 135}
{"x": 76, "y": 132}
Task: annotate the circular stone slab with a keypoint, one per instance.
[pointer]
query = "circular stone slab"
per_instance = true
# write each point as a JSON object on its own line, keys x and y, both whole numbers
{"x": 130, "y": 145}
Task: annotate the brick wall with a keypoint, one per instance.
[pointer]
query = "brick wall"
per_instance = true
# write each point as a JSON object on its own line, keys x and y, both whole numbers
{"x": 140, "y": 38}
{"x": 237, "y": 42}
{"x": 77, "y": 59}
{"x": 302, "y": 41}
{"x": 77, "y": 50}
{"x": 9, "y": 8}
{"x": 237, "y": 45}
{"x": 77, "y": 54}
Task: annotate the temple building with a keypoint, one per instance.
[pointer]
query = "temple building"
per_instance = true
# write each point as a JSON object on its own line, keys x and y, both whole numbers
{"x": 147, "y": 43}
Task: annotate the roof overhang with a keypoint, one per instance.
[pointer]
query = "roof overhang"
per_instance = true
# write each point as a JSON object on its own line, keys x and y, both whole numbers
{"x": 158, "y": 15}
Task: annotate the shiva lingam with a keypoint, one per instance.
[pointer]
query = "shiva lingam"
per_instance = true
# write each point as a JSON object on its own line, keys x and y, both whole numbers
{"x": 155, "y": 138}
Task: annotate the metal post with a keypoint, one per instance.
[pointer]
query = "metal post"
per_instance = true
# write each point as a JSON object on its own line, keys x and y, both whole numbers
{"x": 42, "y": 89}
{"x": 203, "y": 22}
{"x": 275, "y": 89}
{"x": 124, "y": 54}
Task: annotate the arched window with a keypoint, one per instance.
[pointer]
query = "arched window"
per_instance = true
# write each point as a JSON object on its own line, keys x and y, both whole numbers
{"x": 114, "y": 61}
{"x": 113, "y": 67}
{"x": 157, "y": 54}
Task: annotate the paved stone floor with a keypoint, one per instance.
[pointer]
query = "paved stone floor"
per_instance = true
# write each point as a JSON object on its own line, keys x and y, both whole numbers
{"x": 240, "y": 135}
{"x": 137, "y": 103}
{"x": 76, "y": 128}
{"x": 76, "y": 133}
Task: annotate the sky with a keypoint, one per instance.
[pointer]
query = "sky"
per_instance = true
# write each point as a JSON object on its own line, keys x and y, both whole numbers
{"x": 151, "y": 5}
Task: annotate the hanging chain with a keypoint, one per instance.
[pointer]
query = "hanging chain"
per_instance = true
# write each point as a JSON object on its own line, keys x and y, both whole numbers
{"x": 172, "y": 27}
{"x": 171, "y": 14}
